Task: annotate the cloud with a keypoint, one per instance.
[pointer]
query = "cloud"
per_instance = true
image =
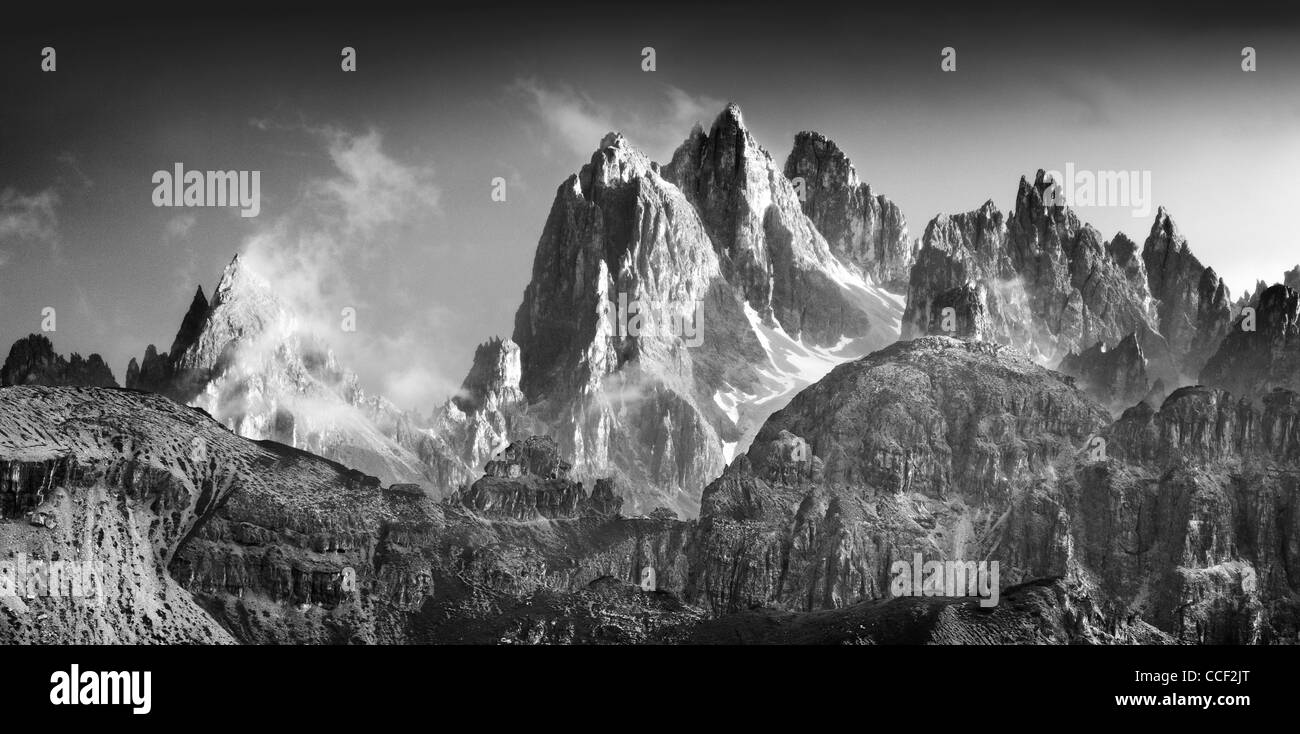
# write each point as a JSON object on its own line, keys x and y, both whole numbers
{"x": 29, "y": 218}
{"x": 577, "y": 122}
{"x": 685, "y": 110}
{"x": 69, "y": 159}
{"x": 178, "y": 228}
{"x": 417, "y": 384}
{"x": 571, "y": 117}
{"x": 311, "y": 252}
{"x": 372, "y": 189}
{"x": 316, "y": 254}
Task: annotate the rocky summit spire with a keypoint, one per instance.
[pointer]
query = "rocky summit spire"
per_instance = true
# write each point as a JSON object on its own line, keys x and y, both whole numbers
{"x": 623, "y": 249}
{"x": 770, "y": 251}
{"x": 191, "y": 325}
{"x": 864, "y": 230}
{"x": 33, "y": 361}
{"x": 741, "y": 293}
{"x": 493, "y": 380}
{"x": 244, "y": 359}
{"x": 1116, "y": 376}
{"x": 1194, "y": 307}
{"x": 1054, "y": 286}
{"x": 1261, "y": 349}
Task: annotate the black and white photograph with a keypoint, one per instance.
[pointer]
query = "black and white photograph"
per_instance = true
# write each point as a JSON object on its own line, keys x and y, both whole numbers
{"x": 690, "y": 325}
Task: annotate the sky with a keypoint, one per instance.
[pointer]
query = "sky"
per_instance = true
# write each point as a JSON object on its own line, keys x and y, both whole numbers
{"x": 376, "y": 185}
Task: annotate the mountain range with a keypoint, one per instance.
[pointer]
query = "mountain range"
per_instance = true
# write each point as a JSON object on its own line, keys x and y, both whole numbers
{"x": 773, "y": 394}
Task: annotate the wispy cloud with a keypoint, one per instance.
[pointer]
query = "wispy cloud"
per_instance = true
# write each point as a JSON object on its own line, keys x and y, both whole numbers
{"x": 572, "y": 118}
{"x": 30, "y": 218}
{"x": 312, "y": 255}
{"x": 577, "y": 122}
{"x": 178, "y": 228}
{"x": 73, "y": 163}
{"x": 372, "y": 189}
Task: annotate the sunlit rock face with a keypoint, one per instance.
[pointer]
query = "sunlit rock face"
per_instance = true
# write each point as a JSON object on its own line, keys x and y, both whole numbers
{"x": 1048, "y": 284}
{"x": 968, "y": 450}
{"x": 246, "y": 359}
{"x": 866, "y": 231}
{"x": 671, "y": 309}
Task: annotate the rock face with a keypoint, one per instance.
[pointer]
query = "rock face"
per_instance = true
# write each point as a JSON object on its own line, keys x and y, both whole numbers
{"x": 670, "y": 311}
{"x": 768, "y": 249}
{"x": 32, "y": 361}
{"x": 866, "y": 231}
{"x": 1115, "y": 377}
{"x": 935, "y": 446}
{"x": 107, "y": 484}
{"x": 163, "y": 373}
{"x": 1262, "y": 350}
{"x": 1167, "y": 525}
{"x": 1220, "y": 475}
{"x": 962, "y": 450}
{"x": 190, "y": 533}
{"x": 473, "y": 425}
{"x": 493, "y": 381}
{"x": 358, "y": 563}
{"x": 1193, "y": 305}
{"x": 245, "y": 359}
{"x": 1052, "y": 287}
{"x": 1047, "y": 612}
{"x": 626, "y": 329}
{"x": 961, "y": 312}
{"x": 530, "y": 481}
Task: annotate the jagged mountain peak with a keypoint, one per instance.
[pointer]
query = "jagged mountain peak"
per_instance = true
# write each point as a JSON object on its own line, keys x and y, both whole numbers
{"x": 1030, "y": 193}
{"x": 494, "y": 378}
{"x": 1260, "y": 350}
{"x": 744, "y": 299}
{"x": 1122, "y": 246}
{"x": 33, "y": 361}
{"x": 814, "y": 153}
{"x": 731, "y": 116}
{"x": 1036, "y": 210}
{"x": 247, "y": 359}
{"x": 732, "y": 148}
{"x": 239, "y": 280}
{"x": 191, "y": 325}
{"x": 1053, "y": 286}
{"x": 244, "y": 306}
{"x": 1164, "y": 228}
{"x": 867, "y": 232}
{"x": 617, "y": 161}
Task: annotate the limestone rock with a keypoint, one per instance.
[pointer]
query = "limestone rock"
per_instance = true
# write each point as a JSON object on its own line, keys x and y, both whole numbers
{"x": 1116, "y": 377}
{"x": 33, "y": 361}
{"x": 864, "y": 230}
{"x": 1261, "y": 351}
